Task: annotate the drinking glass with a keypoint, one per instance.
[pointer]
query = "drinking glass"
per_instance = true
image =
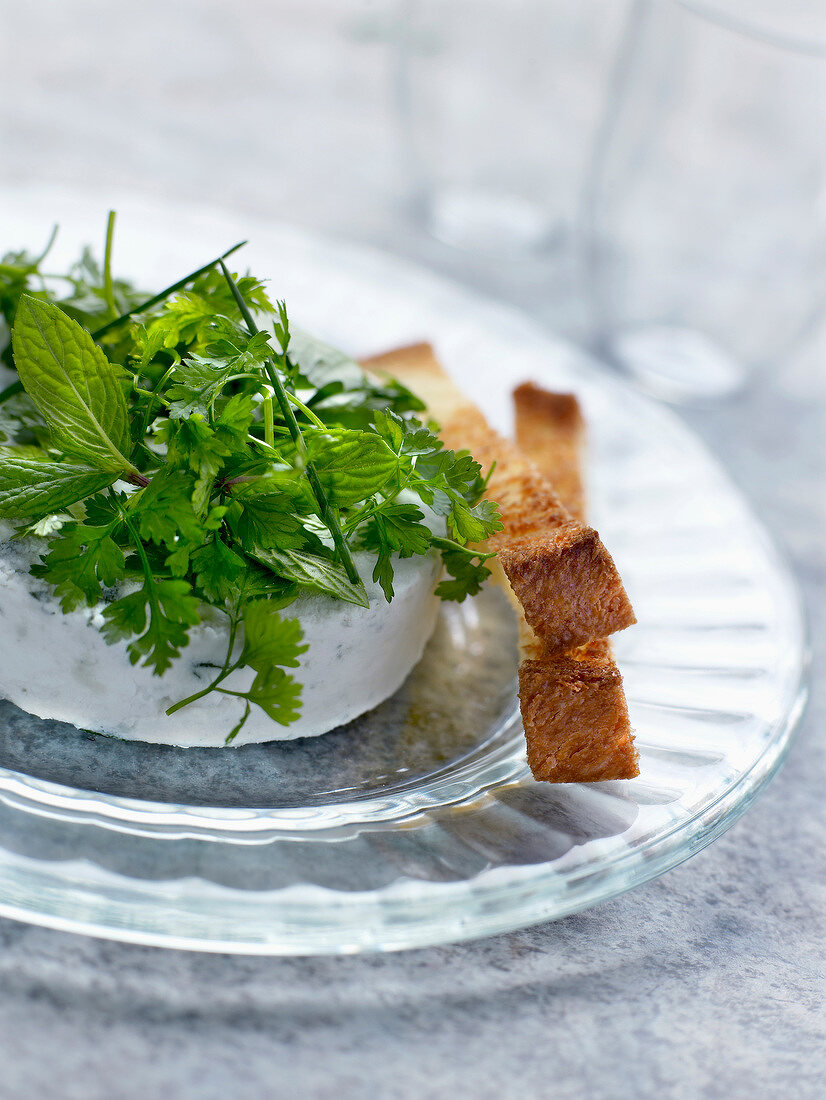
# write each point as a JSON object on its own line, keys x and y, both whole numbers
{"x": 498, "y": 100}
{"x": 704, "y": 210}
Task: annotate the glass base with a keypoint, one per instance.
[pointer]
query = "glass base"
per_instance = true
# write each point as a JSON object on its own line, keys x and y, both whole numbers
{"x": 421, "y": 823}
{"x": 678, "y": 364}
{"x": 495, "y": 221}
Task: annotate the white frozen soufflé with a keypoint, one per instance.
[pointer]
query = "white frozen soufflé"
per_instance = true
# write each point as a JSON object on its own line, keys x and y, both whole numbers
{"x": 59, "y": 666}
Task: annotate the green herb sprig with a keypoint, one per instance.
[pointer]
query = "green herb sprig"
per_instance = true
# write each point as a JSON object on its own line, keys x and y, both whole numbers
{"x": 282, "y": 332}
{"x": 146, "y": 452}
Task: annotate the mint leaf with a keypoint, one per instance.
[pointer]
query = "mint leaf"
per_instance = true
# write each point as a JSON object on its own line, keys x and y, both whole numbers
{"x": 321, "y": 364}
{"x": 31, "y": 488}
{"x": 351, "y": 465}
{"x": 257, "y": 582}
{"x": 73, "y": 385}
{"x": 343, "y": 392}
{"x": 312, "y": 571}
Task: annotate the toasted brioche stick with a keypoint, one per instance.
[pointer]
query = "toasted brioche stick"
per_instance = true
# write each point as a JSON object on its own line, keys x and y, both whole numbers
{"x": 550, "y": 431}
{"x": 573, "y": 706}
{"x": 558, "y": 569}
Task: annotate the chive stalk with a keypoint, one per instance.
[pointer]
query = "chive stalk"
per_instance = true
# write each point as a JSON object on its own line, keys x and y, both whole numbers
{"x": 156, "y": 298}
{"x": 17, "y": 387}
{"x": 108, "y": 285}
{"x": 326, "y": 510}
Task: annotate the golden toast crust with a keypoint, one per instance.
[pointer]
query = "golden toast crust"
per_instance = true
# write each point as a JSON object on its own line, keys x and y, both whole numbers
{"x": 576, "y": 720}
{"x": 558, "y": 568}
{"x": 574, "y": 710}
{"x": 550, "y": 431}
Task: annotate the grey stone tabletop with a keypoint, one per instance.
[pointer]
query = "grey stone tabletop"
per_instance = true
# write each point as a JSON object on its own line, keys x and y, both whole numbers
{"x": 707, "y": 982}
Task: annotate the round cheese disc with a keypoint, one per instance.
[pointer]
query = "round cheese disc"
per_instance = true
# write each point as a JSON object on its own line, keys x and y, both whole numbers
{"x": 59, "y": 666}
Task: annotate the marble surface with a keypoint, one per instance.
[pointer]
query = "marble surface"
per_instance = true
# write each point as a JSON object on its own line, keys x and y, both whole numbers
{"x": 708, "y": 982}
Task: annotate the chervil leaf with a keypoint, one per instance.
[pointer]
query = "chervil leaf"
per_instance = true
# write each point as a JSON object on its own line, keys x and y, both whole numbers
{"x": 394, "y": 528}
{"x": 172, "y": 610}
{"x": 278, "y": 695}
{"x": 80, "y": 561}
{"x": 31, "y": 488}
{"x": 196, "y": 445}
{"x": 403, "y": 437}
{"x": 190, "y": 317}
{"x": 452, "y": 484}
{"x": 312, "y": 571}
{"x": 164, "y": 510}
{"x": 236, "y": 416}
{"x": 474, "y": 524}
{"x": 391, "y": 428}
{"x": 125, "y": 617}
{"x": 217, "y": 569}
{"x": 178, "y": 561}
{"x": 213, "y": 287}
{"x": 196, "y": 384}
{"x": 73, "y": 385}
{"x": 399, "y": 527}
{"x": 383, "y": 572}
{"x": 198, "y": 381}
{"x": 466, "y": 568}
{"x": 270, "y": 643}
{"x": 269, "y": 639}
{"x": 50, "y": 525}
{"x": 193, "y": 444}
{"x": 231, "y": 342}
{"x": 104, "y": 508}
{"x": 185, "y": 319}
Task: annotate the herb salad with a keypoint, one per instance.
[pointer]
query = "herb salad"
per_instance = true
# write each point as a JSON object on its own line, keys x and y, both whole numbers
{"x": 189, "y": 453}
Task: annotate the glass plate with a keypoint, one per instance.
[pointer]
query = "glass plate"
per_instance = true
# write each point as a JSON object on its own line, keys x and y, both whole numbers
{"x": 419, "y": 823}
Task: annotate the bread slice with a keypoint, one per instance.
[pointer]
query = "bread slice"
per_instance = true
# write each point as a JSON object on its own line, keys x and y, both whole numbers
{"x": 550, "y": 431}
{"x": 563, "y": 578}
{"x": 573, "y": 706}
